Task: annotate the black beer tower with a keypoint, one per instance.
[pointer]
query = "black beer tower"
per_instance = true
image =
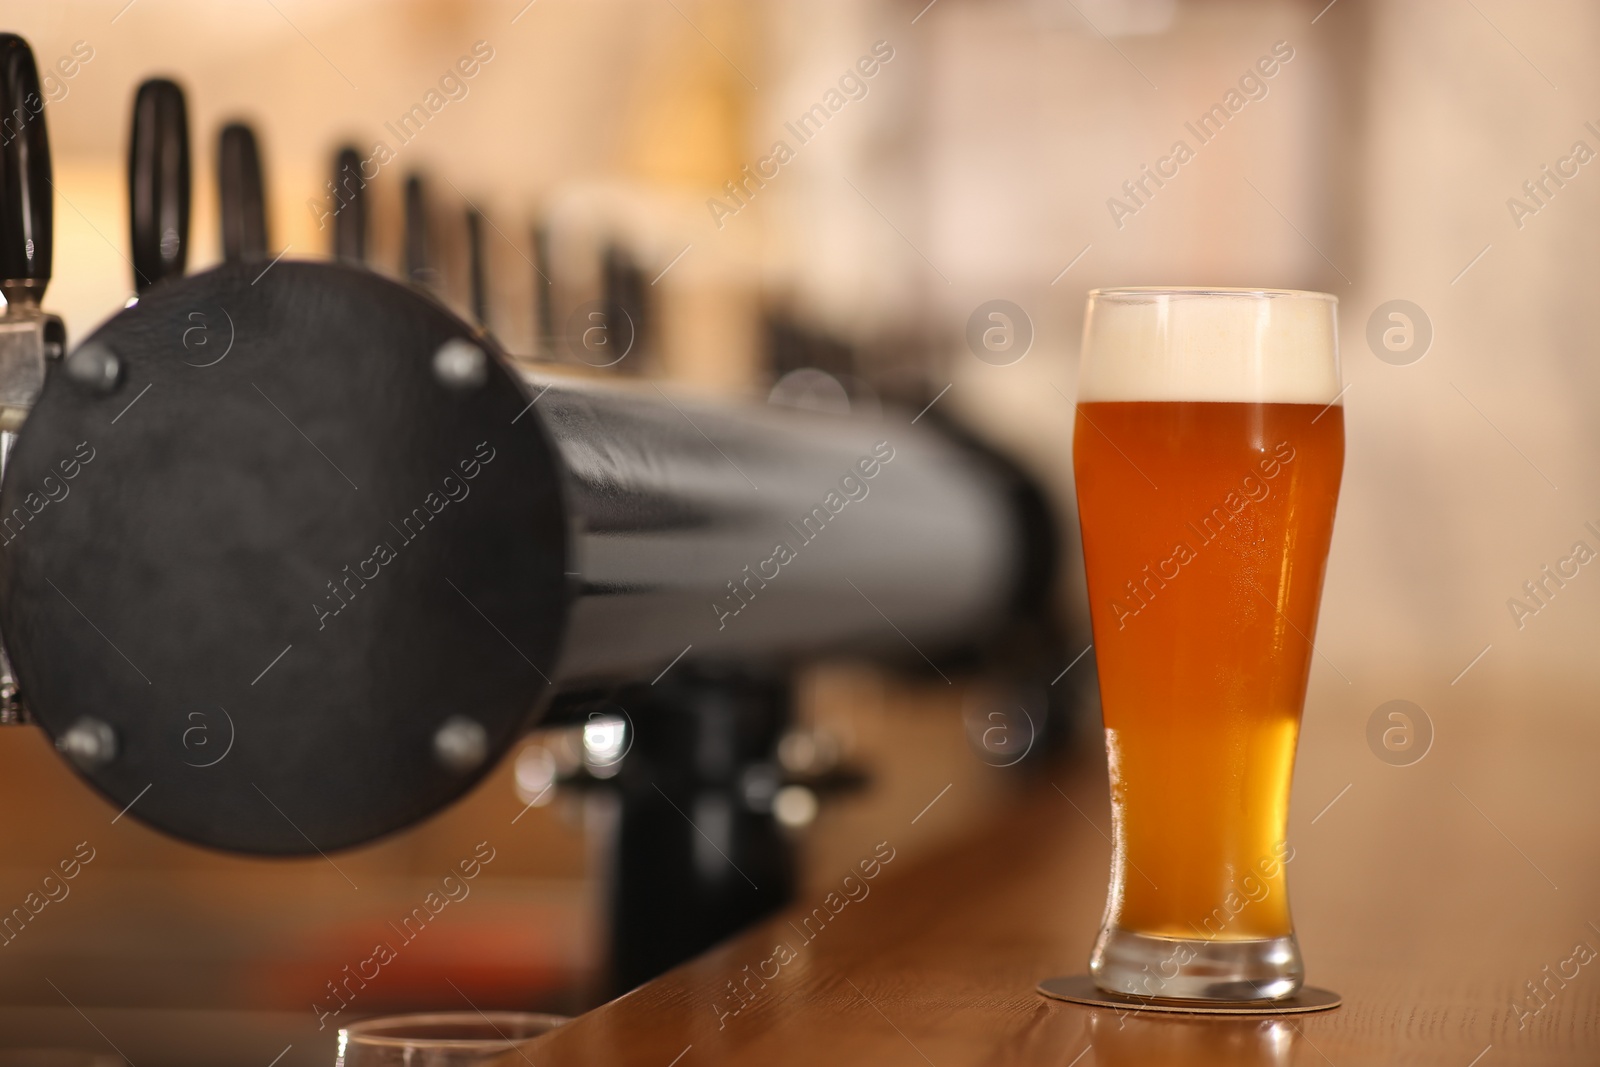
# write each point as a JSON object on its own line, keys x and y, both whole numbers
{"x": 312, "y": 504}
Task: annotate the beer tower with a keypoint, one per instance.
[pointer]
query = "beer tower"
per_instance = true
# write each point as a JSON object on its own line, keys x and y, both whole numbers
{"x": 315, "y": 506}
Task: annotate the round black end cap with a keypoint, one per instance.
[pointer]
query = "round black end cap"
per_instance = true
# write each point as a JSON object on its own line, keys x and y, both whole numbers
{"x": 307, "y": 572}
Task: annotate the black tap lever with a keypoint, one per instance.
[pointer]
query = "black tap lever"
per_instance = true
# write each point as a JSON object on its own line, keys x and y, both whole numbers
{"x": 243, "y": 196}
{"x": 418, "y": 266}
{"x": 477, "y": 268}
{"x": 26, "y": 217}
{"x": 349, "y": 190}
{"x": 158, "y": 183}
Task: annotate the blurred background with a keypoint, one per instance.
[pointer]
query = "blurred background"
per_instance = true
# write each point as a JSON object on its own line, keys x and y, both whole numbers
{"x": 770, "y": 206}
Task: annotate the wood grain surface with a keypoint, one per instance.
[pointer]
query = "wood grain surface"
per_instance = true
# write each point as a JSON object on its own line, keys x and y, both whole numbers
{"x": 1429, "y": 895}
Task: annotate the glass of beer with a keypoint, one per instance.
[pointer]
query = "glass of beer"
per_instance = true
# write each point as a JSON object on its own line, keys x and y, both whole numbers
{"x": 1207, "y": 450}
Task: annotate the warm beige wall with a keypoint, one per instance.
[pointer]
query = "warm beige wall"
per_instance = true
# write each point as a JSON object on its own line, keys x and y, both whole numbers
{"x": 1454, "y": 511}
{"x": 1392, "y": 142}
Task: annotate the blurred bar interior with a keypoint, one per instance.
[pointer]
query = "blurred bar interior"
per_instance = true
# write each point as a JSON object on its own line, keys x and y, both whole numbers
{"x": 809, "y": 202}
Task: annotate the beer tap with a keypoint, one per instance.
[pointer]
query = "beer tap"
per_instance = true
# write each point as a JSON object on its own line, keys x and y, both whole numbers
{"x": 158, "y": 183}
{"x": 626, "y": 305}
{"x": 475, "y": 268}
{"x": 25, "y": 210}
{"x": 30, "y": 338}
{"x": 418, "y": 270}
{"x": 242, "y": 194}
{"x": 350, "y": 207}
{"x": 544, "y": 310}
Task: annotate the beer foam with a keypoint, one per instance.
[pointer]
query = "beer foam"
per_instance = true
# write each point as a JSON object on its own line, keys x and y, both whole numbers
{"x": 1248, "y": 345}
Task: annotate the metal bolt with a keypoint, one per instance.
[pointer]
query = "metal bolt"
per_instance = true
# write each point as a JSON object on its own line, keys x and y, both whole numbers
{"x": 95, "y": 367}
{"x": 461, "y": 745}
{"x": 90, "y": 743}
{"x": 460, "y": 364}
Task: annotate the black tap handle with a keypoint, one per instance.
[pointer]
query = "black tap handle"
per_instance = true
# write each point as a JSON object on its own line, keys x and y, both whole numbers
{"x": 477, "y": 269}
{"x": 158, "y": 183}
{"x": 349, "y": 207}
{"x": 418, "y": 271}
{"x": 26, "y": 193}
{"x": 544, "y": 314}
{"x": 626, "y": 300}
{"x": 244, "y": 206}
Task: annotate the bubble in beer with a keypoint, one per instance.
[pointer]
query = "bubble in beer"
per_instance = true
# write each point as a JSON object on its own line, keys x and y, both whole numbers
{"x": 1399, "y": 733}
{"x": 999, "y": 332}
{"x": 1399, "y": 332}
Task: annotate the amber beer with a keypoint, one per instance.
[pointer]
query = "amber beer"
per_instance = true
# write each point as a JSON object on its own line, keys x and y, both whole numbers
{"x": 1207, "y": 452}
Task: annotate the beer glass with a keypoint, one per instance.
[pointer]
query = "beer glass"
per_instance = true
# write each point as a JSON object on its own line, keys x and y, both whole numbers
{"x": 1207, "y": 451}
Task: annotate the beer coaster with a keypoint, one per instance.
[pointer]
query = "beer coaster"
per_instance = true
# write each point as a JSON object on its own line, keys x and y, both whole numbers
{"x": 1080, "y": 989}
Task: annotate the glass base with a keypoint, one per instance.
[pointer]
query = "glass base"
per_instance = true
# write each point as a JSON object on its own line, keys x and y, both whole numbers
{"x": 1180, "y": 968}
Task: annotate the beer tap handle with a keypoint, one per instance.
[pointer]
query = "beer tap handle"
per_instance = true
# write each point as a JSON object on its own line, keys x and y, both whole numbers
{"x": 158, "y": 183}
{"x": 544, "y": 313}
{"x": 243, "y": 196}
{"x": 418, "y": 271}
{"x": 26, "y": 215}
{"x": 477, "y": 269}
{"x": 350, "y": 207}
{"x": 624, "y": 293}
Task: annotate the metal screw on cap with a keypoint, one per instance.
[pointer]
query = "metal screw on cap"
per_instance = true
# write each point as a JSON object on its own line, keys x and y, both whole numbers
{"x": 461, "y": 745}
{"x": 95, "y": 367}
{"x": 460, "y": 364}
{"x": 89, "y": 743}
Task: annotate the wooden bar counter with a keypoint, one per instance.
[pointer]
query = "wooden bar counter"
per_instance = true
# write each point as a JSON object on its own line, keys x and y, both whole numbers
{"x": 1452, "y": 902}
